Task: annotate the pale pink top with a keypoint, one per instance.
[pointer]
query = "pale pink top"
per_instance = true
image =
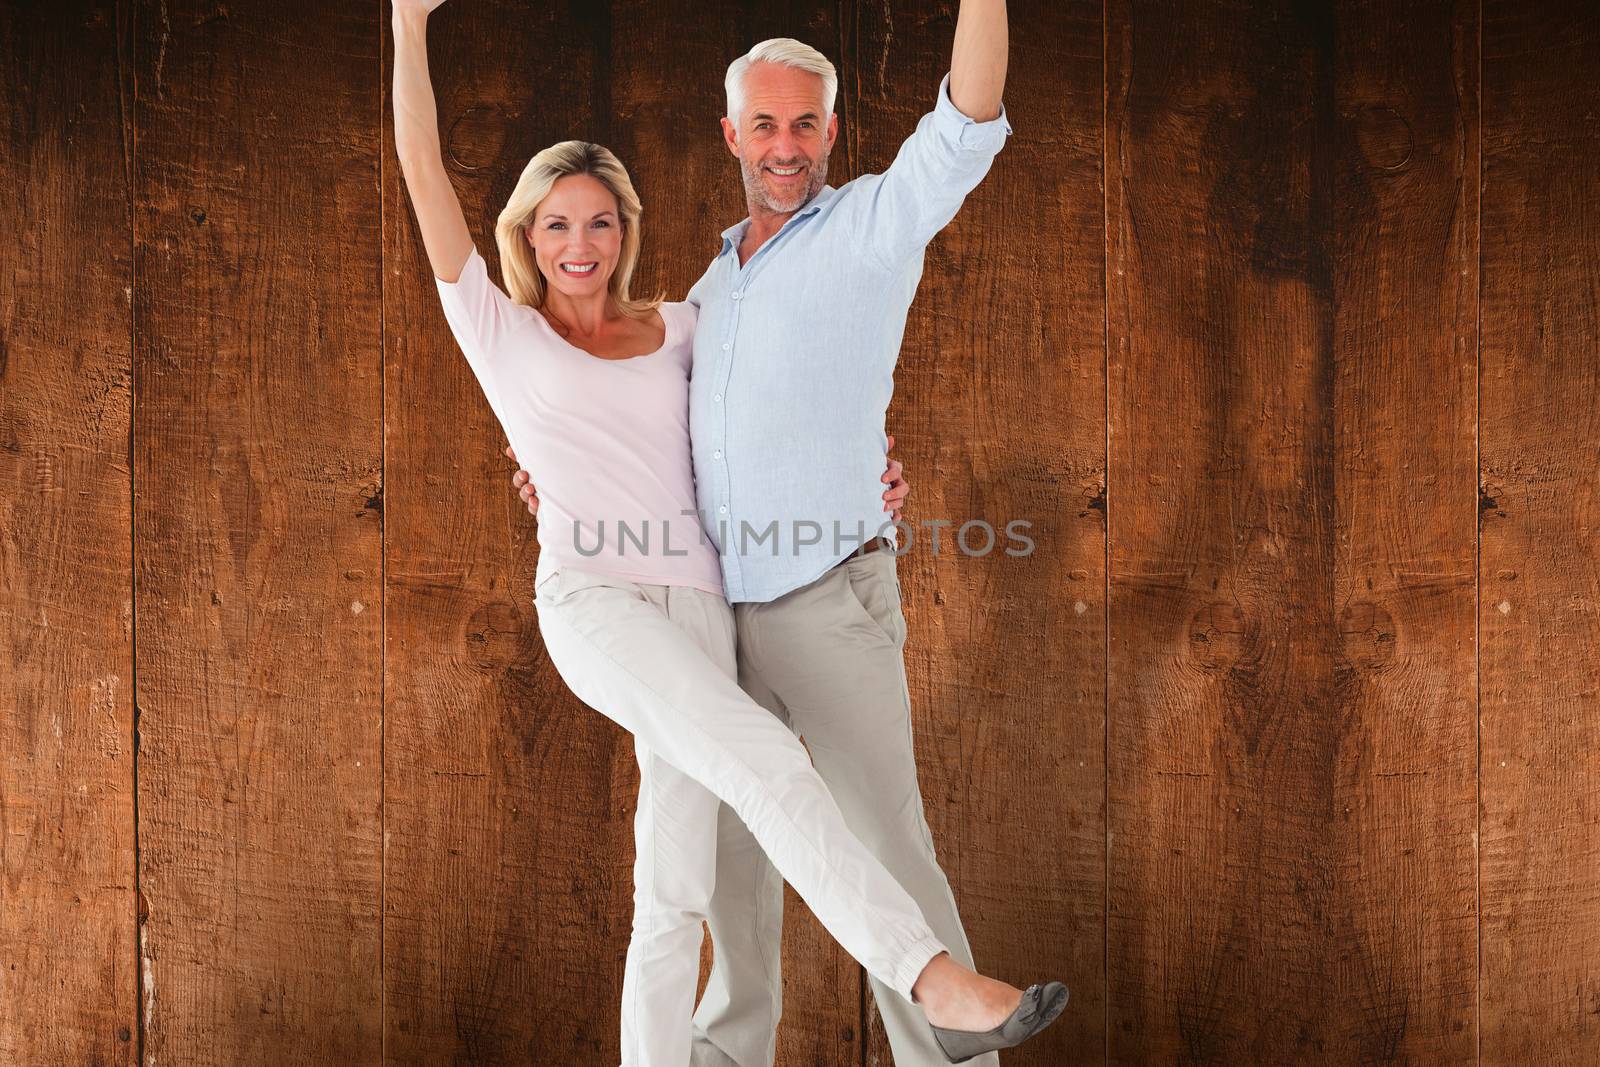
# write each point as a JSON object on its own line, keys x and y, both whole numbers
{"x": 605, "y": 441}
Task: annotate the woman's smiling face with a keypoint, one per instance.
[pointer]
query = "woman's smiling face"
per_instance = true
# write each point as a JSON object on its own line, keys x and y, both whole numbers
{"x": 576, "y": 235}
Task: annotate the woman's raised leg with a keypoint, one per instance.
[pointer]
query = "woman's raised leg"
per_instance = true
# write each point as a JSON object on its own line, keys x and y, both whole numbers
{"x": 621, "y": 655}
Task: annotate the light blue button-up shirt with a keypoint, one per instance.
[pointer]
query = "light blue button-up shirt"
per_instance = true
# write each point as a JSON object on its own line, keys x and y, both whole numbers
{"x": 794, "y": 357}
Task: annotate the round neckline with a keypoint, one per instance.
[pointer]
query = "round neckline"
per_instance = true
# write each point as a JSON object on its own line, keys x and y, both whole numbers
{"x": 666, "y": 340}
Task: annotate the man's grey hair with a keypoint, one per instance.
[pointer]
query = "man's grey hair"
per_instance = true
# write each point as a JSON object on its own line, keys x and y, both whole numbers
{"x": 790, "y": 53}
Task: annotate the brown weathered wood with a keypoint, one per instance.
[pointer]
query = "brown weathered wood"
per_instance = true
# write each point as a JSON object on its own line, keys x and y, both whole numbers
{"x": 1404, "y": 255}
{"x": 998, "y": 416}
{"x": 68, "y": 954}
{"x": 1291, "y": 322}
{"x": 257, "y": 525}
{"x": 363, "y": 821}
{"x": 1538, "y": 434}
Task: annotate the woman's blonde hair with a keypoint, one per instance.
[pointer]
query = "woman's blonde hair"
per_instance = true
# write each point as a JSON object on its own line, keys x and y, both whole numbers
{"x": 524, "y": 282}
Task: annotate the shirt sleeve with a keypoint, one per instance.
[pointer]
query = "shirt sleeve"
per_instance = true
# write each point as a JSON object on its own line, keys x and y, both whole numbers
{"x": 942, "y": 161}
{"x": 481, "y": 317}
{"x": 479, "y": 312}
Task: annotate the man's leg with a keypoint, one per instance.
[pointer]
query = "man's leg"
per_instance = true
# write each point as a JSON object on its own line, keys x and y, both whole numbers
{"x": 736, "y": 1024}
{"x": 831, "y": 651}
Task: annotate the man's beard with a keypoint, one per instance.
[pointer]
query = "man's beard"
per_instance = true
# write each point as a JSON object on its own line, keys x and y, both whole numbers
{"x": 756, "y": 189}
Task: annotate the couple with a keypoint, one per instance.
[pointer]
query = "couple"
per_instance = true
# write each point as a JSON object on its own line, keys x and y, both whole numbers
{"x": 680, "y": 592}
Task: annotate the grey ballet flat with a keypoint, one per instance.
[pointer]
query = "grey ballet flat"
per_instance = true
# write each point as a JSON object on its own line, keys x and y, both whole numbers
{"x": 1038, "y": 1008}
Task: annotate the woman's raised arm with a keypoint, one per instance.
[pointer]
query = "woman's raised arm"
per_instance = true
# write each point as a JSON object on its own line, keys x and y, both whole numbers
{"x": 416, "y": 143}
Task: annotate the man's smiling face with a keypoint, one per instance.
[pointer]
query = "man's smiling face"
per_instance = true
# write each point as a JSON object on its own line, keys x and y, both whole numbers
{"x": 783, "y": 137}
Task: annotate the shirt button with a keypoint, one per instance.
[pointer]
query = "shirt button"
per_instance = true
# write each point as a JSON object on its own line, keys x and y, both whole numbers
{"x": 717, "y": 397}
{"x": 717, "y": 454}
{"x": 737, "y": 294}
{"x": 724, "y": 507}
{"x": 726, "y": 347}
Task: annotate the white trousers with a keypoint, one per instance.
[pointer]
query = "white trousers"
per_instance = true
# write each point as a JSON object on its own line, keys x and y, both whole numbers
{"x": 660, "y": 662}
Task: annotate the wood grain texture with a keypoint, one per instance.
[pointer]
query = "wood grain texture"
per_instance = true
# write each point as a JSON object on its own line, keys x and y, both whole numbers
{"x": 998, "y": 415}
{"x": 258, "y": 466}
{"x": 68, "y": 906}
{"x": 286, "y": 777}
{"x": 1291, "y": 320}
{"x": 1539, "y": 574}
{"x": 1404, "y": 252}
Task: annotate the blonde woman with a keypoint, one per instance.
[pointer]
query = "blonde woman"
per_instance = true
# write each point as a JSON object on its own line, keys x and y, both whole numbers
{"x": 591, "y": 387}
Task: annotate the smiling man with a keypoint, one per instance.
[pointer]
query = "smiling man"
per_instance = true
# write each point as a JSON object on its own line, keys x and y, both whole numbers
{"x": 801, "y": 317}
{"x": 802, "y": 313}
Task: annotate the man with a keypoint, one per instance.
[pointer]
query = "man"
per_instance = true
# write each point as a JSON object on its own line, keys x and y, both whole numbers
{"x": 801, "y": 316}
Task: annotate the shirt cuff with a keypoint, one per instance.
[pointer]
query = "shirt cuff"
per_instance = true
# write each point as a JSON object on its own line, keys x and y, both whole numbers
{"x": 964, "y": 131}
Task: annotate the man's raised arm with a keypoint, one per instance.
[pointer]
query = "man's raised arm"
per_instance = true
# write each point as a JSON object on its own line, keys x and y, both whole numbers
{"x": 978, "y": 60}
{"x": 893, "y": 215}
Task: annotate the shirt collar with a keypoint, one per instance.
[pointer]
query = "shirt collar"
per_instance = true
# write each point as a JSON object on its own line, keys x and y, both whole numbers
{"x": 735, "y": 233}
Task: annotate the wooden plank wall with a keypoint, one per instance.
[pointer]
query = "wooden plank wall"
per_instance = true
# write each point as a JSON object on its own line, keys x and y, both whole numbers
{"x": 257, "y": 447}
{"x": 1539, "y": 535}
{"x": 68, "y": 844}
{"x": 1277, "y": 320}
{"x": 1292, "y": 326}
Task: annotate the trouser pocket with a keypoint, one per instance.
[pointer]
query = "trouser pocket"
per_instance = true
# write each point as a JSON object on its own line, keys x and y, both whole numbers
{"x": 875, "y": 586}
{"x": 548, "y": 585}
{"x": 565, "y": 583}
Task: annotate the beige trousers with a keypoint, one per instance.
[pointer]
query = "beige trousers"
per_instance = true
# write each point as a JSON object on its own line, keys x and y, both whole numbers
{"x": 826, "y": 659}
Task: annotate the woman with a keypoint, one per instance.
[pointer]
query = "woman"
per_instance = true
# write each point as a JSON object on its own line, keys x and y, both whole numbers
{"x": 591, "y": 388}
